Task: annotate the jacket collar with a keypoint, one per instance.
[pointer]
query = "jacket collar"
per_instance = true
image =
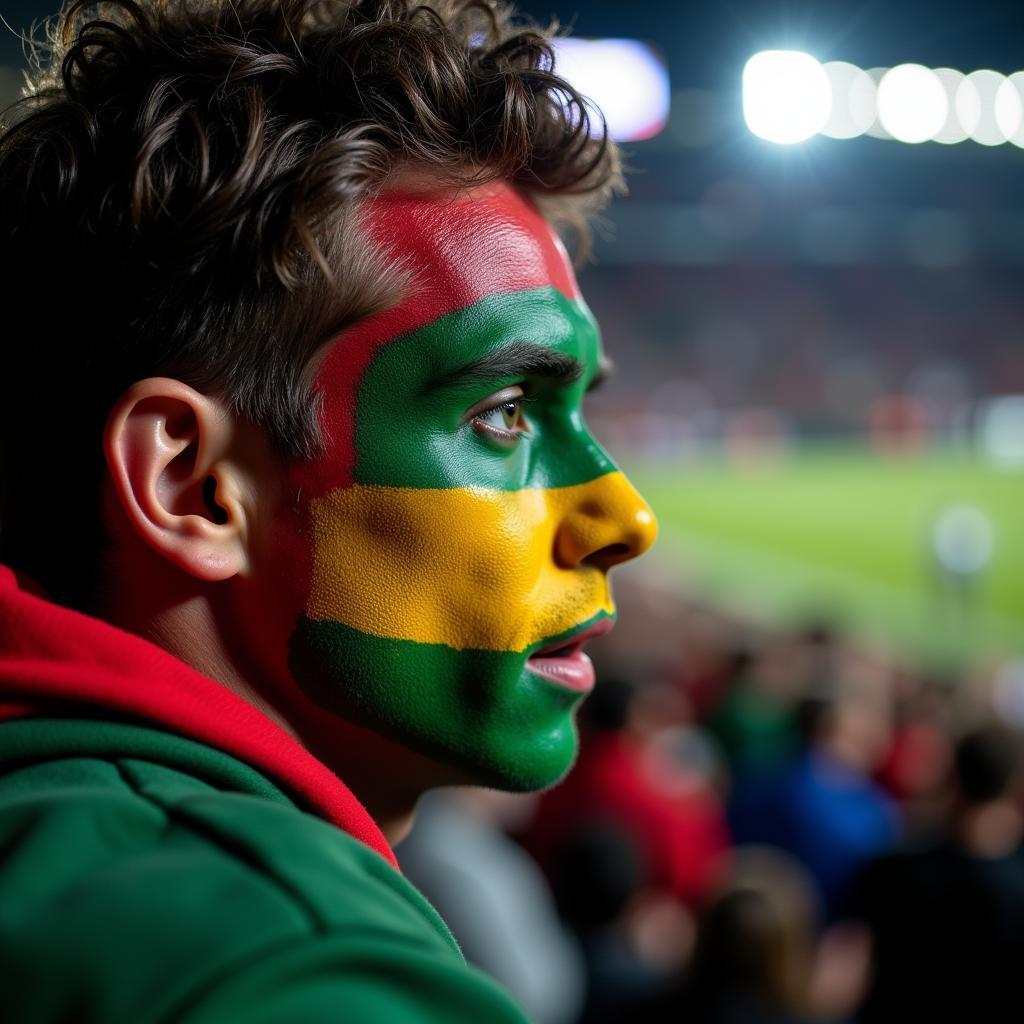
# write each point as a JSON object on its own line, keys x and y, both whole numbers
{"x": 54, "y": 660}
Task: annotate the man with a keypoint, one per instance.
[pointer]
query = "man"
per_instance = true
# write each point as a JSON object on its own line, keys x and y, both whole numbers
{"x": 294, "y": 438}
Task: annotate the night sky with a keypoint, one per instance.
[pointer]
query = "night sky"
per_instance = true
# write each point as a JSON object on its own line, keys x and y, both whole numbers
{"x": 706, "y": 42}
{"x": 706, "y": 45}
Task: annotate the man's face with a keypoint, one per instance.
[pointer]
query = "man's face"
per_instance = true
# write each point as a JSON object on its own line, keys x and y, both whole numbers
{"x": 460, "y": 525}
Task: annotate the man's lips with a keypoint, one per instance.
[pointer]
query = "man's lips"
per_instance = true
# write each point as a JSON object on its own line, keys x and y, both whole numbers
{"x": 564, "y": 662}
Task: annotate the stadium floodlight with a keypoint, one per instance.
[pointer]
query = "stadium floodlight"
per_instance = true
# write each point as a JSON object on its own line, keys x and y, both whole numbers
{"x": 986, "y": 130}
{"x": 853, "y": 100}
{"x": 787, "y": 97}
{"x": 953, "y": 130}
{"x": 1010, "y": 108}
{"x": 876, "y": 130}
{"x": 625, "y": 78}
{"x": 912, "y": 103}
{"x": 968, "y": 106}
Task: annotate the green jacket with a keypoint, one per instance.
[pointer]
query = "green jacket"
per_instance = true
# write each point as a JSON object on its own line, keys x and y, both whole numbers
{"x": 148, "y": 876}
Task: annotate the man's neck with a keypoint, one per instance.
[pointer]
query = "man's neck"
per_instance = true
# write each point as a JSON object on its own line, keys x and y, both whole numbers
{"x": 189, "y": 626}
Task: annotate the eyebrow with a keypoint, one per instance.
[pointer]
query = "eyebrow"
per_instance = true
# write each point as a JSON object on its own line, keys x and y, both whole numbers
{"x": 525, "y": 359}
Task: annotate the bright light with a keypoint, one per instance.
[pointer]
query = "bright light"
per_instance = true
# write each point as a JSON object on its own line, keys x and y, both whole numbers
{"x": 853, "y": 100}
{"x": 786, "y": 96}
{"x": 912, "y": 104}
{"x": 968, "y": 106}
{"x": 985, "y": 130}
{"x": 875, "y": 129}
{"x": 1010, "y": 108}
{"x": 953, "y": 130}
{"x": 625, "y": 79}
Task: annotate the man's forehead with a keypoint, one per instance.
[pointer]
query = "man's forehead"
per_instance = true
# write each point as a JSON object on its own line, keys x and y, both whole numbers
{"x": 459, "y": 248}
{"x": 487, "y": 244}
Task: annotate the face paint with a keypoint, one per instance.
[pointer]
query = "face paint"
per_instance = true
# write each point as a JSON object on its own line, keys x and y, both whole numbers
{"x": 441, "y": 549}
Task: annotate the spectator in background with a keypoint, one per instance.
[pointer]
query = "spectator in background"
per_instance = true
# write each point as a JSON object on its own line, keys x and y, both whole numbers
{"x": 713, "y": 653}
{"x": 758, "y": 958}
{"x": 635, "y": 939}
{"x": 824, "y": 807}
{"x": 677, "y": 827}
{"x": 753, "y": 958}
{"x": 947, "y": 920}
{"x": 917, "y": 764}
{"x": 494, "y": 898}
{"x": 755, "y": 721}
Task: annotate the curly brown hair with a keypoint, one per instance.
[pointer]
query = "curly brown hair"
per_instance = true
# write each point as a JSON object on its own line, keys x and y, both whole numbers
{"x": 178, "y": 195}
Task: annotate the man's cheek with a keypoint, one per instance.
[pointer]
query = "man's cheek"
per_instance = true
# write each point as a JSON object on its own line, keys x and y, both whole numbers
{"x": 496, "y": 571}
{"x": 452, "y": 567}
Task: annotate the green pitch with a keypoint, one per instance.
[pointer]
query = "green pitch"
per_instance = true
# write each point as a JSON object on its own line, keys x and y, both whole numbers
{"x": 845, "y": 535}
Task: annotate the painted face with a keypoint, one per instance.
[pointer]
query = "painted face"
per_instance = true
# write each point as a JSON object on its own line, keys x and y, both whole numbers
{"x": 457, "y": 533}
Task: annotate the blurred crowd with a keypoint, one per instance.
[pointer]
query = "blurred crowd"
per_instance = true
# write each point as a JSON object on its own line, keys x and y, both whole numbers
{"x": 763, "y": 825}
{"x": 886, "y": 353}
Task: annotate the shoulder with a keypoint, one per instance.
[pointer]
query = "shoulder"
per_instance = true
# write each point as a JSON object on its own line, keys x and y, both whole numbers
{"x": 133, "y": 891}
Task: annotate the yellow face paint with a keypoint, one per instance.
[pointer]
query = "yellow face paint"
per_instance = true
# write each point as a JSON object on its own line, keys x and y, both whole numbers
{"x": 467, "y": 568}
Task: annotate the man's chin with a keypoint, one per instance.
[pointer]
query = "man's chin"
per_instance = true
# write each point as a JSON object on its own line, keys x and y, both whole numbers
{"x": 517, "y": 780}
{"x": 528, "y": 769}
{"x": 525, "y": 770}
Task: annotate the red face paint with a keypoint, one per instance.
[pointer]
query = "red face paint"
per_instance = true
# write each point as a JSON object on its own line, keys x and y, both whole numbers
{"x": 456, "y": 251}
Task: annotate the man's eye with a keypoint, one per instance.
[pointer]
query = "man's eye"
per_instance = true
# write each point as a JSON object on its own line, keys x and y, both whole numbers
{"x": 503, "y": 419}
{"x": 511, "y": 413}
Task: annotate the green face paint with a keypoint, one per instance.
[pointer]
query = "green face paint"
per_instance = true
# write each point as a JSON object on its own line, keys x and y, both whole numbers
{"x": 463, "y": 518}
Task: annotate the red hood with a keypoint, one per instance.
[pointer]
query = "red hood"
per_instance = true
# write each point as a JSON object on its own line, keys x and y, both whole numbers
{"x": 53, "y": 659}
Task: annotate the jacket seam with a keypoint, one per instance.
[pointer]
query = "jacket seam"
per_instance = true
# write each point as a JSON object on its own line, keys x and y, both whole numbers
{"x": 238, "y": 853}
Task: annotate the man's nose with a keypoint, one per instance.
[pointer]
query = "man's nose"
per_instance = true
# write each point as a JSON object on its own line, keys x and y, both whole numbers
{"x": 604, "y": 522}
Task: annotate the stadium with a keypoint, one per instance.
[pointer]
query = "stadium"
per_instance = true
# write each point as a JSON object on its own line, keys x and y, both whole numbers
{"x": 799, "y": 790}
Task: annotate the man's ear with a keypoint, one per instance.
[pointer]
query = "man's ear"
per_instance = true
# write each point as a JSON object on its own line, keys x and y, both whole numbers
{"x": 169, "y": 450}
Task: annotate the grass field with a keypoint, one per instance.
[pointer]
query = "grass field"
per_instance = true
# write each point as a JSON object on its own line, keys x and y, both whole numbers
{"x": 844, "y": 534}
